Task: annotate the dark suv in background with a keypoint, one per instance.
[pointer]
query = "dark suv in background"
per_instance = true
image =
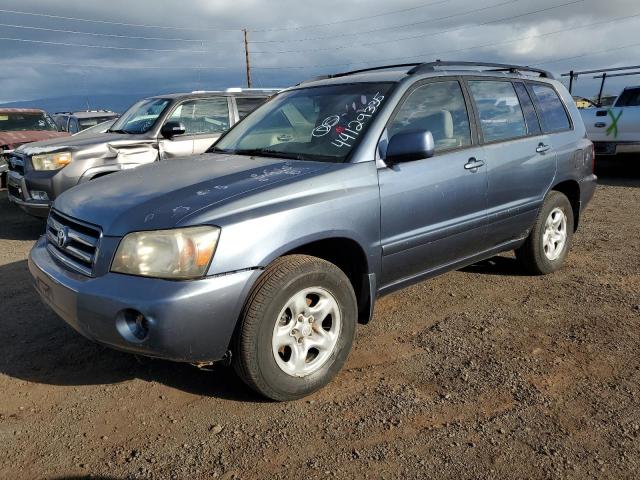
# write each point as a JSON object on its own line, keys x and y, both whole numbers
{"x": 269, "y": 249}
{"x": 74, "y": 122}
{"x": 156, "y": 128}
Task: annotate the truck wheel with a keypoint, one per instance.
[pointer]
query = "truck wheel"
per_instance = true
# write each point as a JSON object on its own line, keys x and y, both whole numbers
{"x": 548, "y": 244}
{"x": 296, "y": 328}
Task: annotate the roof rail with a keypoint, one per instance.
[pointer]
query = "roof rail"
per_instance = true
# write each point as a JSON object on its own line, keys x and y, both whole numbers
{"x": 492, "y": 67}
{"x": 362, "y": 70}
{"x": 420, "y": 67}
{"x": 240, "y": 90}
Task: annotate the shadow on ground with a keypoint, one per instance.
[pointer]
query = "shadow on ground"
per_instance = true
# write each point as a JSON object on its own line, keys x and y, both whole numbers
{"x": 37, "y": 346}
{"x": 619, "y": 171}
{"x": 17, "y": 225}
{"x": 501, "y": 265}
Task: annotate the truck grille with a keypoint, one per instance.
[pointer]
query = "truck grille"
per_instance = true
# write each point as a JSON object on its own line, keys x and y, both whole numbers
{"x": 73, "y": 243}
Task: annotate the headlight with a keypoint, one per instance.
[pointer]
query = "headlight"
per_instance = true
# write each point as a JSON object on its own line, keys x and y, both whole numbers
{"x": 51, "y": 161}
{"x": 182, "y": 253}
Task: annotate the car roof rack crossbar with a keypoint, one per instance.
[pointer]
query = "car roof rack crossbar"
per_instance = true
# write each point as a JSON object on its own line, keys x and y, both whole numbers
{"x": 492, "y": 67}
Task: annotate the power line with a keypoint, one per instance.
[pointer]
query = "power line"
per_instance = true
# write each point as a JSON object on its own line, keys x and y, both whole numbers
{"x": 597, "y": 52}
{"x": 76, "y": 19}
{"x": 338, "y": 22}
{"x": 111, "y": 35}
{"x": 238, "y": 29}
{"x": 424, "y": 54}
{"x": 101, "y": 46}
{"x": 120, "y": 66}
{"x": 422, "y": 35}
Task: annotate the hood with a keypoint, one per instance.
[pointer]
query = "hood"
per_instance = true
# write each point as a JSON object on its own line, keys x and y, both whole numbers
{"x": 160, "y": 195}
{"x": 80, "y": 142}
{"x": 15, "y": 139}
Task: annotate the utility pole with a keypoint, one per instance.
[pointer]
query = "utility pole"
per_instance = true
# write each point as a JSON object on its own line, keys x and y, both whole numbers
{"x": 246, "y": 58}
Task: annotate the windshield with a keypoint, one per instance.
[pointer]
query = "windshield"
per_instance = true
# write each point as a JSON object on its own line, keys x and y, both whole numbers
{"x": 141, "y": 117}
{"x": 17, "y": 121}
{"x": 316, "y": 123}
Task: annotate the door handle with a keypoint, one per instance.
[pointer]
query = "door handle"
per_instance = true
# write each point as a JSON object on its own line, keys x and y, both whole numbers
{"x": 542, "y": 148}
{"x": 473, "y": 164}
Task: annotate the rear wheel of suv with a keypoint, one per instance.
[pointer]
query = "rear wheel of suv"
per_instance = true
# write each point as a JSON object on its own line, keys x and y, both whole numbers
{"x": 547, "y": 246}
{"x": 296, "y": 328}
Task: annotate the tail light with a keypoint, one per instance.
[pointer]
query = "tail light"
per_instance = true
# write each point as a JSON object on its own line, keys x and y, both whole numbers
{"x": 590, "y": 156}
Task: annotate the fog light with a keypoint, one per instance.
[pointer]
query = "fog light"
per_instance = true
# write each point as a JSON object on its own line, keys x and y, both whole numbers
{"x": 39, "y": 195}
{"x": 132, "y": 325}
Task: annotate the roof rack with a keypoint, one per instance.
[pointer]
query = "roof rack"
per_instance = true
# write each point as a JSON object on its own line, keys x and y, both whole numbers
{"x": 421, "y": 67}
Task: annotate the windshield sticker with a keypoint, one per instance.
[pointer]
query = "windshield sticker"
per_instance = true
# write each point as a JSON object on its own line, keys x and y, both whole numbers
{"x": 326, "y": 125}
{"x": 345, "y": 128}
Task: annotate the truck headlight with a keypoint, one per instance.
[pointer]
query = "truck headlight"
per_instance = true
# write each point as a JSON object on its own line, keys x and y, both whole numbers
{"x": 182, "y": 253}
{"x": 51, "y": 161}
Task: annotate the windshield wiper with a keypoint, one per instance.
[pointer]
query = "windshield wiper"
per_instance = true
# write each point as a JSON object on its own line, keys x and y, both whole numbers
{"x": 218, "y": 150}
{"x": 119, "y": 130}
{"x": 264, "y": 152}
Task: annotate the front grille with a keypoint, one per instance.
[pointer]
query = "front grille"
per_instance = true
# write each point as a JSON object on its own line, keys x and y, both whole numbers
{"x": 77, "y": 245}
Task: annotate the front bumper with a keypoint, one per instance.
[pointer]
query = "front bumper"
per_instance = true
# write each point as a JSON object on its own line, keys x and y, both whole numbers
{"x": 19, "y": 195}
{"x": 188, "y": 321}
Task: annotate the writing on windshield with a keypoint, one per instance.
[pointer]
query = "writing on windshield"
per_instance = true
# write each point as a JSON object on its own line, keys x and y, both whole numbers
{"x": 314, "y": 123}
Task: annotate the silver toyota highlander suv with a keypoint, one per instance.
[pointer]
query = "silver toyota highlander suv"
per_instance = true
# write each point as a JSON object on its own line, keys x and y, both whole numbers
{"x": 268, "y": 250}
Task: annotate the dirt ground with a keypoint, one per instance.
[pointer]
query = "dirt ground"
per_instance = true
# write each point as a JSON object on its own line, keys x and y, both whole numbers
{"x": 479, "y": 373}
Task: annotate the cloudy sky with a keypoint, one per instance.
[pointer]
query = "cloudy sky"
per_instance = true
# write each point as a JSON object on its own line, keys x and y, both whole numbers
{"x": 67, "y": 47}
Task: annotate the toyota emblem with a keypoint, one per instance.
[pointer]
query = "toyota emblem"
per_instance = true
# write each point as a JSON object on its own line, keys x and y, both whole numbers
{"x": 63, "y": 236}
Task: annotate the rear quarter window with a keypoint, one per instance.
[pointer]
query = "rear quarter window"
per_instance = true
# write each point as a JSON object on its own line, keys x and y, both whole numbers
{"x": 553, "y": 115}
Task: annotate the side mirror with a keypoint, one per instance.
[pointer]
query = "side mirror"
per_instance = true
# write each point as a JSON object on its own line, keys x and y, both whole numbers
{"x": 171, "y": 129}
{"x": 409, "y": 146}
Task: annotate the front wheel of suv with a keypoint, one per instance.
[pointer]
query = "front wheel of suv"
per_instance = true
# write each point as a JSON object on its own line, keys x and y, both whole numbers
{"x": 296, "y": 328}
{"x": 547, "y": 246}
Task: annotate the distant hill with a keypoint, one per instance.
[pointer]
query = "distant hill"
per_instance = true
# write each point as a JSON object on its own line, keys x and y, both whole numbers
{"x": 117, "y": 103}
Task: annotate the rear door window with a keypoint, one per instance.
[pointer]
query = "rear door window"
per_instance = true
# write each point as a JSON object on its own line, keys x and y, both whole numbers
{"x": 248, "y": 105}
{"x": 439, "y": 108}
{"x": 552, "y": 113}
{"x": 499, "y": 109}
{"x": 629, "y": 98}
{"x": 201, "y": 116}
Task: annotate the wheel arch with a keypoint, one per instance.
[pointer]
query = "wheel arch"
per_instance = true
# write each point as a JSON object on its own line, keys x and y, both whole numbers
{"x": 571, "y": 189}
{"x": 348, "y": 255}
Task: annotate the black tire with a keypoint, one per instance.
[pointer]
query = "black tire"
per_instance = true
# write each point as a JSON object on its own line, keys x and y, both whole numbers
{"x": 531, "y": 254}
{"x": 252, "y": 353}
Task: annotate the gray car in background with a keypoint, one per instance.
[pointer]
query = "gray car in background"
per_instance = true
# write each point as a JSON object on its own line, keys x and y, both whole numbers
{"x": 269, "y": 249}
{"x": 155, "y": 128}
{"x": 74, "y": 122}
